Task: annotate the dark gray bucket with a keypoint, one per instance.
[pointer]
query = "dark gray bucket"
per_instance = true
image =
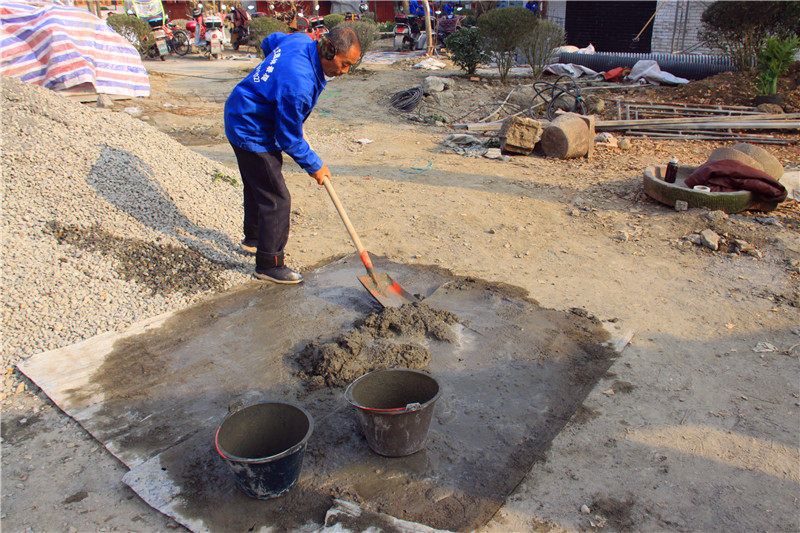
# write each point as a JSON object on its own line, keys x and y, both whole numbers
{"x": 264, "y": 445}
{"x": 394, "y": 407}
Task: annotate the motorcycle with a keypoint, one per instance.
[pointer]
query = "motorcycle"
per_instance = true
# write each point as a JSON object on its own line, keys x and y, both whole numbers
{"x": 239, "y": 27}
{"x": 242, "y": 36}
{"x": 408, "y": 34}
{"x": 363, "y": 8}
{"x": 313, "y": 26}
{"x": 318, "y": 27}
{"x": 161, "y": 48}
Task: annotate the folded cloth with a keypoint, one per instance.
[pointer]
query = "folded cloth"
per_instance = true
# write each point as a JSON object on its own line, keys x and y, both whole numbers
{"x": 727, "y": 175}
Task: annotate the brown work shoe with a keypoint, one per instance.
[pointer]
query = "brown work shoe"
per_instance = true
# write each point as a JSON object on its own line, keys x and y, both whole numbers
{"x": 250, "y": 245}
{"x": 281, "y": 274}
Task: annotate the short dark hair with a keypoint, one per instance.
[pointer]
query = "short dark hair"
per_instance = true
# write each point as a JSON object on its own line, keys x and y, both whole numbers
{"x": 343, "y": 39}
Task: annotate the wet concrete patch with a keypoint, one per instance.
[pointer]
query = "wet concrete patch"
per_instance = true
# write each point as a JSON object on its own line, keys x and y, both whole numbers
{"x": 19, "y": 429}
{"x": 512, "y": 374}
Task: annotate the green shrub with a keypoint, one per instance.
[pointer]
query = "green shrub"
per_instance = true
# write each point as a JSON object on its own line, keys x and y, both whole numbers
{"x": 135, "y": 30}
{"x": 385, "y": 27}
{"x": 367, "y": 31}
{"x": 261, "y": 27}
{"x": 466, "y": 49}
{"x": 774, "y": 61}
{"x": 469, "y": 17}
{"x": 331, "y": 21}
{"x": 538, "y": 46}
{"x": 503, "y": 31}
{"x": 740, "y": 29}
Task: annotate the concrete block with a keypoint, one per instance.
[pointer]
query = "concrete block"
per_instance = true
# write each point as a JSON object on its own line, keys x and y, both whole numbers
{"x": 520, "y": 135}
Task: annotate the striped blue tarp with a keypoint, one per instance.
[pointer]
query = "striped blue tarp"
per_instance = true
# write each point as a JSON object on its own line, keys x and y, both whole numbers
{"x": 60, "y": 48}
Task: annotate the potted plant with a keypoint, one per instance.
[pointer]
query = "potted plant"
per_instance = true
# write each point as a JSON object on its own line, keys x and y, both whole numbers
{"x": 774, "y": 60}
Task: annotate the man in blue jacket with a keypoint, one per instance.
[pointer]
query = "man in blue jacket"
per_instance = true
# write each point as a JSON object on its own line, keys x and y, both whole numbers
{"x": 264, "y": 118}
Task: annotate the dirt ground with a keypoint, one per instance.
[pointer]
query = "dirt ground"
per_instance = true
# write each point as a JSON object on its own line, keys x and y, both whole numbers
{"x": 696, "y": 427}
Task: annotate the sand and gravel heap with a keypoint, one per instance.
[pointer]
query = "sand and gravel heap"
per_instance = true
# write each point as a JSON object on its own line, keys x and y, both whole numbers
{"x": 105, "y": 221}
{"x": 387, "y": 339}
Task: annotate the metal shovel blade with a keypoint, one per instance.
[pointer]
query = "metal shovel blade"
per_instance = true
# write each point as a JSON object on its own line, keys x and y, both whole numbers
{"x": 385, "y": 290}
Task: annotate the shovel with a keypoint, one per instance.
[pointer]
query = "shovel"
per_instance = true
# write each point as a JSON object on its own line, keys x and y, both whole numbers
{"x": 383, "y": 288}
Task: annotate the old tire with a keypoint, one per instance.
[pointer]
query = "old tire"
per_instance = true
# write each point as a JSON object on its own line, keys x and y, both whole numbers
{"x": 770, "y": 163}
{"x": 735, "y": 155}
{"x": 669, "y": 193}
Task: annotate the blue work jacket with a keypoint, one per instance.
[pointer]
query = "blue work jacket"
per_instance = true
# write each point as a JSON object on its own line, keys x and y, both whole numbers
{"x": 266, "y": 110}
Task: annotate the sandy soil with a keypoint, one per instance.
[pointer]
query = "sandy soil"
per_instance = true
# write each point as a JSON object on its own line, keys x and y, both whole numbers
{"x": 696, "y": 426}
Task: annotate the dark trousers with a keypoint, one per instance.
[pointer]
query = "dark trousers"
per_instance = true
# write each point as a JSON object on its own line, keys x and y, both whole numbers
{"x": 267, "y": 204}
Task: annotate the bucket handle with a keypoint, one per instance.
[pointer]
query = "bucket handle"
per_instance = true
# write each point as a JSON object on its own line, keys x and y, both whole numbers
{"x": 410, "y": 407}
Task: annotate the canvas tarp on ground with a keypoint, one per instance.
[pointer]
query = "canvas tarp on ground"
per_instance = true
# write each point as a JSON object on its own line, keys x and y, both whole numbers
{"x": 62, "y": 48}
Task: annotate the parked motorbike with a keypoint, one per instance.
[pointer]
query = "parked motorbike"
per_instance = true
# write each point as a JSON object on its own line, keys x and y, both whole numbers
{"x": 313, "y": 26}
{"x": 363, "y": 9}
{"x": 408, "y": 34}
{"x": 242, "y": 36}
{"x": 239, "y": 22}
{"x": 318, "y": 27}
{"x": 214, "y": 39}
{"x": 161, "y": 48}
{"x": 196, "y": 25}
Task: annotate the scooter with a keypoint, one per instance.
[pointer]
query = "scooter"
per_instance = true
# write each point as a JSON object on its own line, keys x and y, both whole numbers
{"x": 196, "y": 25}
{"x": 214, "y": 37}
{"x": 407, "y": 33}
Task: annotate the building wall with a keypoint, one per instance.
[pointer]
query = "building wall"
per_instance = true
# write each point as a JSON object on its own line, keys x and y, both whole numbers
{"x": 555, "y": 11}
{"x": 676, "y": 25}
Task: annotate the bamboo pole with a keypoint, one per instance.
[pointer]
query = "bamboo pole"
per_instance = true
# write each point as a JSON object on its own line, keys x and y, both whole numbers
{"x": 431, "y": 47}
{"x": 662, "y": 121}
{"x": 744, "y": 125}
{"x": 707, "y": 137}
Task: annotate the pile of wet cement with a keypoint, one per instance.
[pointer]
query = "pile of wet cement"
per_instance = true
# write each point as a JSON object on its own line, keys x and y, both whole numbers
{"x": 371, "y": 345}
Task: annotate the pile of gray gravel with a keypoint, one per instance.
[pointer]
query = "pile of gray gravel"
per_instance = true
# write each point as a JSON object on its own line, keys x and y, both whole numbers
{"x": 105, "y": 222}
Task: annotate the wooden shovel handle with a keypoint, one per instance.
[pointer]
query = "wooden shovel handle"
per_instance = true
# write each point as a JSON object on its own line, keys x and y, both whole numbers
{"x": 350, "y": 229}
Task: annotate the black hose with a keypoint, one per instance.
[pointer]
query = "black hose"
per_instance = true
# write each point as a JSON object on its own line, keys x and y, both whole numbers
{"x": 685, "y": 65}
{"x": 407, "y": 100}
{"x": 571, "y": 89}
